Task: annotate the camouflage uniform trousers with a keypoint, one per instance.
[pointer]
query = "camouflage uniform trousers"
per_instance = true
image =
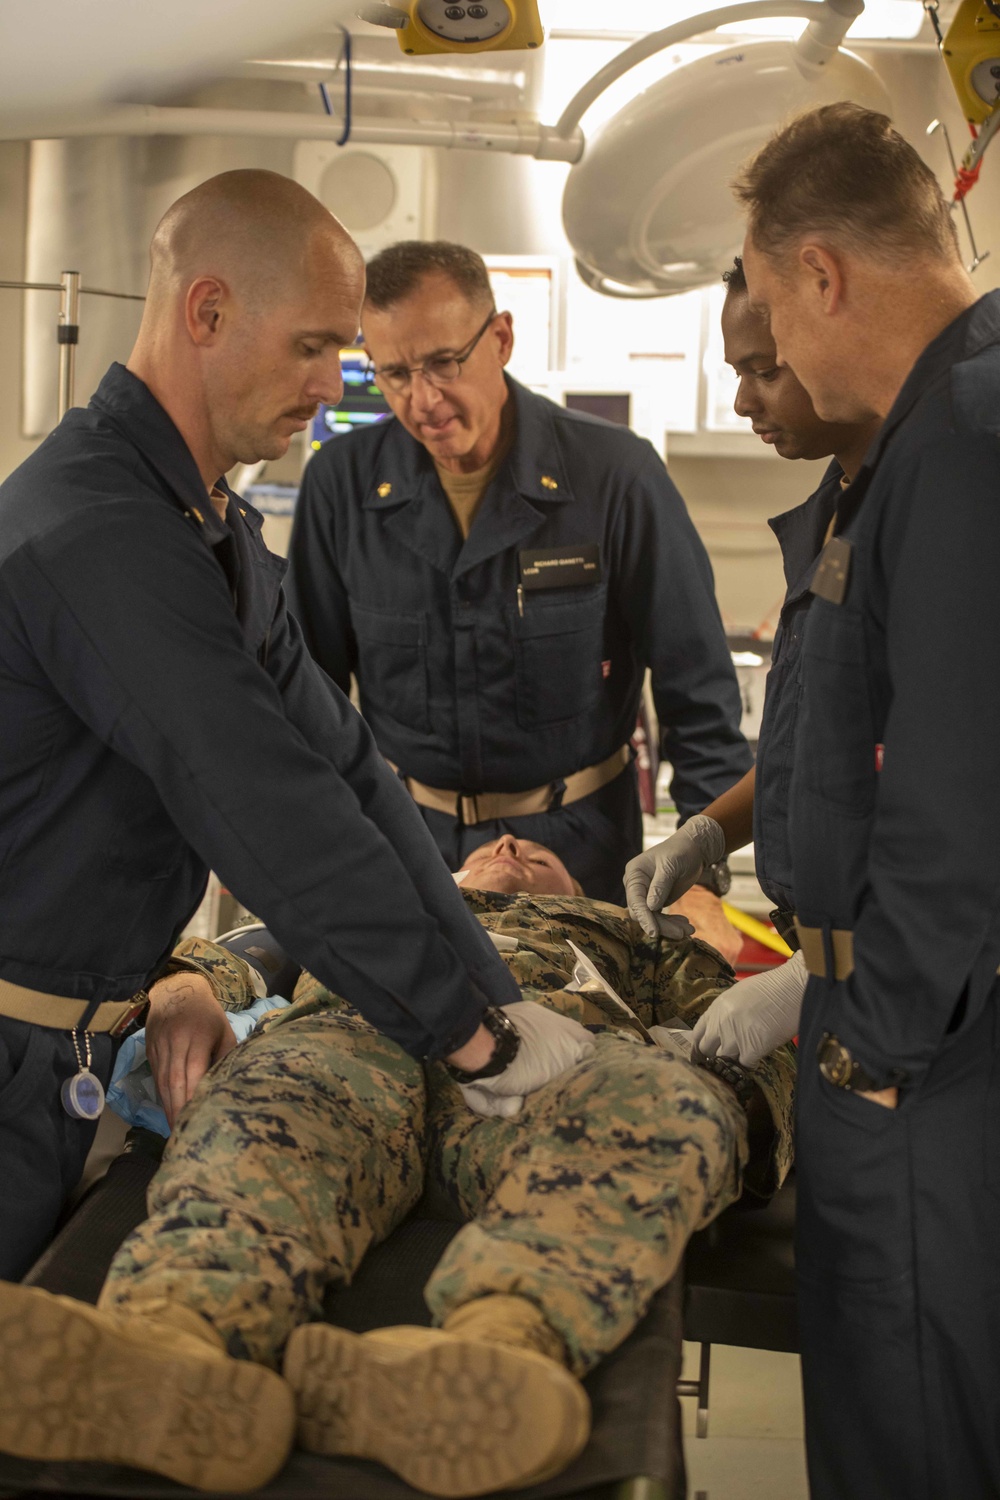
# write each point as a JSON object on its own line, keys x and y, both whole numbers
{"x": 310, "y": 1143}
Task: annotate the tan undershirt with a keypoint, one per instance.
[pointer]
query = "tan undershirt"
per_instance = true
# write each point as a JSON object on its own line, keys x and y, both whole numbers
{"x": 220, "y": 500}
{"x": 845, "y": 484}
{"x": 465, "y": 491}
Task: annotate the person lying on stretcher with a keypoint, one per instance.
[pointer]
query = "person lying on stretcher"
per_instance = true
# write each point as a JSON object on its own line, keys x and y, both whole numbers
{"x": 313, "y": 1139}
{"x": 185, "y": 1034}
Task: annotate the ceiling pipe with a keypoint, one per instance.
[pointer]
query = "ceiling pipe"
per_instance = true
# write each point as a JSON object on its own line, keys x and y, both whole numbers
{"x": 386, "y": 78}
{"x": 520, "y": 138}
{"x": 423, "y": 101}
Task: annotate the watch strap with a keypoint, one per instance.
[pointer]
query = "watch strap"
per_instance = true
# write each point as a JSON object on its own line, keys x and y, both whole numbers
{"x": 739, "y": 1078}
{"x": 861, "y": 1081}
{"x": 508, "y": 1042}
{"x": 848, "y": 1073}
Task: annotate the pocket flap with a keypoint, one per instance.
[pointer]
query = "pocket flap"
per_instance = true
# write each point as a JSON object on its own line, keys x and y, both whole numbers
{"x": 562, "y": 618}
{"x": 388, "y": 629}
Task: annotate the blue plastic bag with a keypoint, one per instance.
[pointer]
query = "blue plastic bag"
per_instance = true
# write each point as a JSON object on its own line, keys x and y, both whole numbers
{"x": 132, "y": 1093}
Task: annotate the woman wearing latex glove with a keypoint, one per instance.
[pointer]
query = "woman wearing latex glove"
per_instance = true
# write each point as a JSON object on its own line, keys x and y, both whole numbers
{"x": 533, "y": 1046}
{"x": 783, "y": 417}
{"x": 660, "y": 876}
{"x": 755, "y": 1016}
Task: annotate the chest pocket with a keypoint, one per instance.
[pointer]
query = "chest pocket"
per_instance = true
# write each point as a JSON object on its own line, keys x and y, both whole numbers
{"x": 392, "y": 663}
{"x": 558, "y": 650}
{"x": 840, "y": 765}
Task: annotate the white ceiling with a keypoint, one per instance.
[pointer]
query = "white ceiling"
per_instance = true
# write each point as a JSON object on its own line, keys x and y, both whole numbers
{"x": 64, "y": 55}
{"x": 61, "y": 57}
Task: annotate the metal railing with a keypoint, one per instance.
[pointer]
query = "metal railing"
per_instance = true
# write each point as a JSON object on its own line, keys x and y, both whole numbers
{"x": 68, "y": 329}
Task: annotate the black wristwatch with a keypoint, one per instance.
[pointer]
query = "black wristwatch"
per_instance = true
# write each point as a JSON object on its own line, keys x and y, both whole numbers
{"x": 839, "y": 1068}
{"x": 739, "y": 1078}
{"x": 716, "y": 878}
{"x": 508, "y": 1041}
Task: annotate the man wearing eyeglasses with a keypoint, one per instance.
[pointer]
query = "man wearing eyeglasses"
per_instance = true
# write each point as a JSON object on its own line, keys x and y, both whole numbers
{"x": 498, "y": 573}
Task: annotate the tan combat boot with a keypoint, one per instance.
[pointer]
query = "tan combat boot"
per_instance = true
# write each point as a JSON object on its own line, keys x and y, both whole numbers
{"x": 152, "y": 1388}
{"x": 486, "y": 1403}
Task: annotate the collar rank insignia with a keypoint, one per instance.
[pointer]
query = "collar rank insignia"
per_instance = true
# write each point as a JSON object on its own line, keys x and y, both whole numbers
{"x": 834, "y": 571}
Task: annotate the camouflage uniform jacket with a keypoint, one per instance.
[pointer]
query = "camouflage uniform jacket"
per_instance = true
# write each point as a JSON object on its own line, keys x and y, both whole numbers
{"x": 661, "y": 980}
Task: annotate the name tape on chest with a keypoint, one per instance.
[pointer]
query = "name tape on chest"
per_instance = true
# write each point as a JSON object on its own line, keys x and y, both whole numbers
{"x": 560, "y": 567}
{"x": 834, "y": 571}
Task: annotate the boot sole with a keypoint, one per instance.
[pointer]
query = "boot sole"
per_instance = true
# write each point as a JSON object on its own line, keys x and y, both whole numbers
{"x": 77, "y": 1390}
{"x": 453, "y": 1418}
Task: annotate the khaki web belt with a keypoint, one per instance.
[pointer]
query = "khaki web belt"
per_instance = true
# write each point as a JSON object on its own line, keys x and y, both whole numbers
{"x": 842, "y": 944}
{"x": 814, "y": 953}
{"x": 20, "y": 1004}
{"x": 485, "y": 807}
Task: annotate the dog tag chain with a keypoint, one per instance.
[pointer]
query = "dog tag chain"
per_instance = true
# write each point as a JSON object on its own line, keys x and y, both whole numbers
{"x": 83, "y": 1095}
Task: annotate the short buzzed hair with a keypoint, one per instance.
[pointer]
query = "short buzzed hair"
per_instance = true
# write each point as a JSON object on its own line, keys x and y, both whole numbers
{"x": 396, "y": 272}
{"x": 843, "y": 172}
{"x": 249, "y": 223}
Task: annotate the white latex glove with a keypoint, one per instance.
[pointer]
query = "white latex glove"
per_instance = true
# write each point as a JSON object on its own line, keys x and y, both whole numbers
{"x": 706, "y": 913}
{"x": 551, "y": 1044}
{"x": 755, "y": 1016}
{"x": 662, "y": 874}
{"x": 482, "y": 1103}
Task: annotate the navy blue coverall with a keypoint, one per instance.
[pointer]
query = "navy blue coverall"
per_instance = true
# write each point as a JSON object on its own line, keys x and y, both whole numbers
{"x": 160, "y": 716}
{"x": 467, "y": 690}
{"x": 801, "y": 533}
{"x": 899, "y": 1210}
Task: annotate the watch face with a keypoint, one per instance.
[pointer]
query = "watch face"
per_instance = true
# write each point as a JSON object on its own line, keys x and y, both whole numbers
{"x": 835, "y": 1062}
{"x": 478, "y": 21}
{"x": 716, "y": 878}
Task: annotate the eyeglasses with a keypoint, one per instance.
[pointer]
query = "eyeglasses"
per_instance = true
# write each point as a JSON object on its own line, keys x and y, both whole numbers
{"x": 438, "y": 370}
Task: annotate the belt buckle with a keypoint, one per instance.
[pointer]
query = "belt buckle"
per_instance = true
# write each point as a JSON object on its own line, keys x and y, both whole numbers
{"x": 132, "y": 1011}
{"x": 783, "y": 921}
{"x": 467, "y": 805}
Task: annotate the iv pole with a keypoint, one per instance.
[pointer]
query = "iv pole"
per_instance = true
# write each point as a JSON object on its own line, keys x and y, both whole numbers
{"x": 68, "y": 332}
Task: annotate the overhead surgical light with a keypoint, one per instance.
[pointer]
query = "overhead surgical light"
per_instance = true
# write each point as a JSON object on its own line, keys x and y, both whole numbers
{"x": 891, "y": 20}
{"x": 648, "y": 209}
{"x": 881, "y": 20}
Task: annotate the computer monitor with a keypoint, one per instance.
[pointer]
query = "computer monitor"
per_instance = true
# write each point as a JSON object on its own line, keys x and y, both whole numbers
{"x": 613, "y": 406}
{"x": 361, "y": 404}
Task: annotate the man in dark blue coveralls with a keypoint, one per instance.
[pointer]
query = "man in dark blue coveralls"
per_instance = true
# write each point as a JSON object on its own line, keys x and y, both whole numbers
{"x": 499, "y": 572}
{"x": 895, "y": 817}
{"x": 160, "y": 715}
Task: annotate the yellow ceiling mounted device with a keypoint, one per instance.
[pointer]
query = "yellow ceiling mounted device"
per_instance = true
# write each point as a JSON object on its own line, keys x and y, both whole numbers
{"x": 971, "y": 50}
{"x": 423, "y": 26}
